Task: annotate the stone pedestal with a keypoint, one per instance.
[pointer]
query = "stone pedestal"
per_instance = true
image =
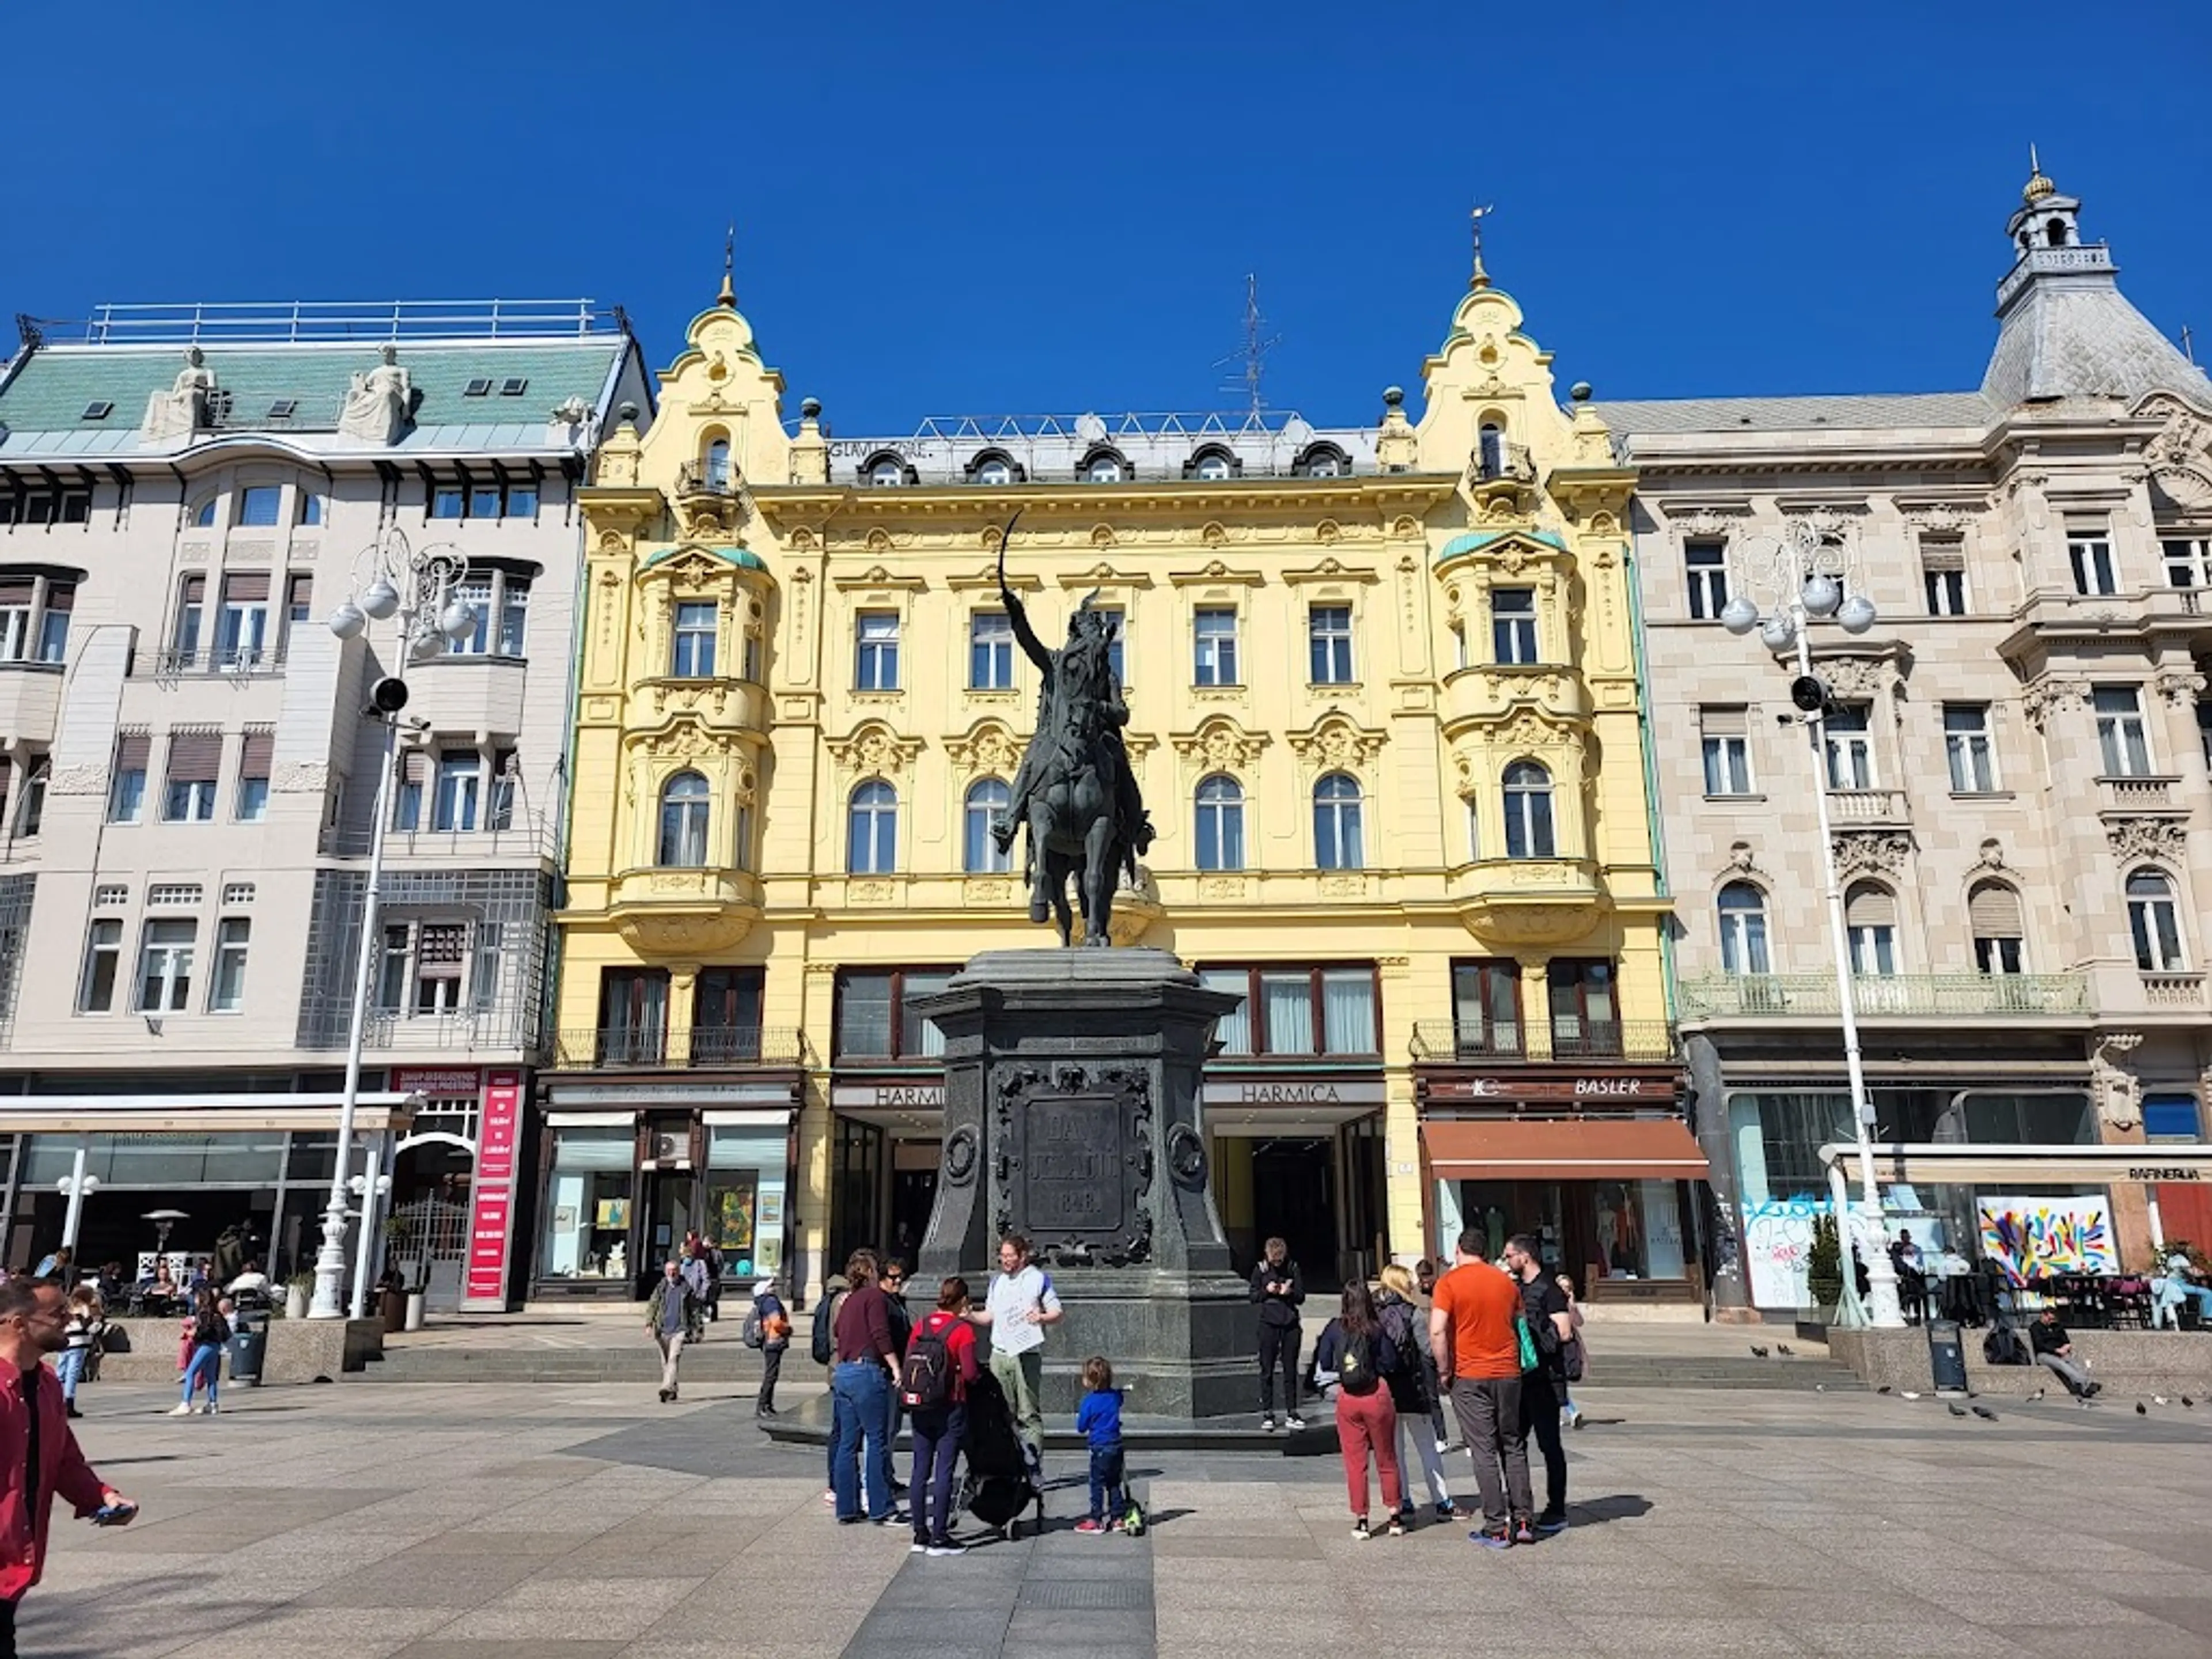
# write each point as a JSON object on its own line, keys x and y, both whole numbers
{"x": 1071, "y": 1117}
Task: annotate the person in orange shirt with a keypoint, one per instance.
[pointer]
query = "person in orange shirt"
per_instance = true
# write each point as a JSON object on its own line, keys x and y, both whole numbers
{"x": 1474, "y": 1332}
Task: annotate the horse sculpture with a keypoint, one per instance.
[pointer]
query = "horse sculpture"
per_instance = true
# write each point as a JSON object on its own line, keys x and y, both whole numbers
{"x": 1074, "y": 790}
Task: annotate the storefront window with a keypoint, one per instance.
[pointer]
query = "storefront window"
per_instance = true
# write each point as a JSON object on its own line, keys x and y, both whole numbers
{"x": 185, "y": 1159}
{"x": 587, "y": 1202}
{"x": 1639, "y": 1228}
{"x": 743, "y": 1215}
{"x": 871, "y": 1011}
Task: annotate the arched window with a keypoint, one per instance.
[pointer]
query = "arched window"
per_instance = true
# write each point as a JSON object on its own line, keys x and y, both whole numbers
{"x": 1105, "y": 467}
{"x": 2155, "y": 923}
{"x": 886, "y": 473}
{"x": 988, "y": 798}
{"x": 203, "y": 514}
{"x": 1870, "y": 919}
{"x": 311, "y": 508}
{"x": 1528, "y": 812}
{"x": 717, "y": 468}
{"x": 1213, "y": 465}
{"x": 1493, "y": 449}
{"x": 1337, "y": 842}
{"x": 683, "y": 802}
{"x": 997, "y": 470}
{"x": 2055, "y": 232}
{"x": 871, "y": 830}
{"x": 1220, "y": 824}
{"x": 1743, "y": 930}
{"x": 1993, "y": 913}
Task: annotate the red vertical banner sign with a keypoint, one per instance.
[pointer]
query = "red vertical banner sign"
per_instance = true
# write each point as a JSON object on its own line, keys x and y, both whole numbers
{"x": 491, "y": 1200}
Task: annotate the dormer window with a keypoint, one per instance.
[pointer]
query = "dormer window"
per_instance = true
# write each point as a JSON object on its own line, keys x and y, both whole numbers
{"x": 1213, "y": 465}
{"x": 995, "y": 471}
{"x": 514, "y": 387}
{"x": 99, "y": 410}
{"x": 284, "y": 408}
{"x": 886, "y": 472}
{"x": 1322, "y": 460}
{"x": 1104, "y": 466}
{"x": 479, "y": 387}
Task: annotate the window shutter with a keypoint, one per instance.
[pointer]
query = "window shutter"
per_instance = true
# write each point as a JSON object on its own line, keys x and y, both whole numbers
{"x": 1868, "y": 906}
{"x": 195, "y": 589}
{"x": 1723, "y": 722}
{"x": 1942, "y": 553}
{"x": 302, "y": 590}
{"x": 258, "y": 750}
{"x": 415, "y": 767}
{"x": 1993, "y": 909}
{"x": 195, "y": 757}
{"x": 132, "y": 749}
{"x": 61, "y": 596}
{"x": 245, "y": 586}
{"x": 16, "y": 590}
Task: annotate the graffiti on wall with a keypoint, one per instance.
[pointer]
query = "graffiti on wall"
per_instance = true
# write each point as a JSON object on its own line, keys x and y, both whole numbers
{"x": 1778, "y": 1247}
{"x": 2038, "y": 1237}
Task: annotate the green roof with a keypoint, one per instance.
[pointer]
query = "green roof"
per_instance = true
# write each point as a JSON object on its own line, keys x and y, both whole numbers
{"x": 53, "y": 388}
{"x": 743, "y": 557}
{"x": 1475, "y": 540}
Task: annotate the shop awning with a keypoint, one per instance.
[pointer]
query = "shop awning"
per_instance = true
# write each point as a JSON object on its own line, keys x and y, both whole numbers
{"x": 67, "y": 1114}
{"x": 1565, "y": 1149}
{"x": 2022, "y": 1165}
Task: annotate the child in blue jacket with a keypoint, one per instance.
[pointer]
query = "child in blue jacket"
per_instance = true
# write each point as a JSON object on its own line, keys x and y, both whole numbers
{"x": 1099, "y": 1419}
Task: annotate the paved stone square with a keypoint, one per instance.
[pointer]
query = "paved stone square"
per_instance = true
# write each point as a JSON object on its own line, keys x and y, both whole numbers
{"x": 387, "y": 1521}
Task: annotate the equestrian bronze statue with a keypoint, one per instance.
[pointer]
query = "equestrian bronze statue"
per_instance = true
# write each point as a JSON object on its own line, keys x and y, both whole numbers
{"x": 1074, "y": 790}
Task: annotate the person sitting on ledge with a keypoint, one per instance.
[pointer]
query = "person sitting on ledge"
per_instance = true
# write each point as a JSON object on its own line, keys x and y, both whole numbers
{"x": 2054, "y": 1349}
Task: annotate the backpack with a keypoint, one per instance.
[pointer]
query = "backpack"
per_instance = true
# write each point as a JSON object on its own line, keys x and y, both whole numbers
{"x": 1355, "y": 1363}
{"x": 752, "y": 1332}
{"x": 926, "y": 1380}
{"x": 1570, "y": 1366}
{"x": 824, "y": 1341}
{"x": 2002, "y": 1347}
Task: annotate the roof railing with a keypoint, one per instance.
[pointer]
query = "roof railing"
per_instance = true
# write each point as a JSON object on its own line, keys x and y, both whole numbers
{"x": 212, "y": 323}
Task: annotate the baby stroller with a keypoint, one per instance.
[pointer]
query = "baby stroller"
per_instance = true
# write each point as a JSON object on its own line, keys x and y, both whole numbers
{"x": 1000, "y": 1481}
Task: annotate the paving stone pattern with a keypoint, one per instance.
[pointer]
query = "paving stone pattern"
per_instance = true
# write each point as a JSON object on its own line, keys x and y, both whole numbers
{"x": 584, "y": 1521}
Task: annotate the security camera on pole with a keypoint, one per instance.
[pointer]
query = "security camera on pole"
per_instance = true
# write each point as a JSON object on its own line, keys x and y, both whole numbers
{"x": 418, "y": 590}
{"x": 1799, "y": 573}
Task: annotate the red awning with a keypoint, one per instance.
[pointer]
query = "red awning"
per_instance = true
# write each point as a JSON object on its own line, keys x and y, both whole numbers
{"x": 1576, "y": 1149}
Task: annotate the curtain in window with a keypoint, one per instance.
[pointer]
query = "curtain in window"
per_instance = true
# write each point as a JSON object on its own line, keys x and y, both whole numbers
{"x": 1287, "y": 999}
{"x": 1347, "y": 1008}
{"x": 1233, "y": 1030}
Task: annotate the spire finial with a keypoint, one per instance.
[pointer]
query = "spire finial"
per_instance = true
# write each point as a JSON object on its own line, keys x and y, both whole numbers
{"x": 2037, "y": 186}
{"x": 728, "y": 297}
{"x": 1481, "y": 277}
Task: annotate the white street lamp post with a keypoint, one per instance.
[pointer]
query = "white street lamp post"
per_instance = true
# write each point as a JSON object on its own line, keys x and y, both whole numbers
{"x": 76, "y": 1186}
{"x": 417, "y": 588}
{"x": 1818, "y": 598}
{"x": 369, "y": 1189}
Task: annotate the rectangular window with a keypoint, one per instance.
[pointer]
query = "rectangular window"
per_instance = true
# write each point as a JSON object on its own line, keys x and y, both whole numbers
{"x": 2172, "y": 1117}
{"x": 30, "y": 811}
{"x": 2120, "y": 731}
{"x": 1996, "y": 955}
{"x": 191, "y": 601}
{"x": 1117, "y": 639}
{"x": 504, "y": 777}
{"x": 195, "y": 762}
{"x": 696, "y": 620}
{"x": 2188, "y": 562}
{"x": 460, "y": 781}
{"x": 441, "y": 953}
{"x": 391, "y": 967}
{"x": 243, "y": 629}
{"x": 513, "y": 603}
{"x": 877, "y": 666}
{"x": 408, "y": 785}
{"x": 54, "y": 622}
{"x": 1585, "y": 1017}
{"x": 1726, "y": 733}
{"x": 103, "y": 959}
{"x": 872, "y": 1019}
{"x": 1301, "y": 1011}
{"x": 447, "y": 501}
{"x": 1707, "y": 565}
{"x": 483, "y": 501}
{"x": 1213, "y": 632}
{"x": 2089, "y": 550}
{"x": 1966, "y": 742}
{"x": 1943, "y": 575}
{"x": 165, "y": 966}
{"x": 990, "y": 651}
{"x": 1487, "y": 1008}
{"x": 257, "y": 504}
{"x": 1513, "y": 625}
{"x": 1328, "y": 633}
{"x": 228, "y": 995}
{"x": 126, "y": 796}
{"x": 1846, "y": 733}
{"x": 18, "y": 596}
{"x": 522, "y": 500}
{"x": 299, "y": 599}
{"x": 256, "y": 753}
{"x": 474, "y": 590}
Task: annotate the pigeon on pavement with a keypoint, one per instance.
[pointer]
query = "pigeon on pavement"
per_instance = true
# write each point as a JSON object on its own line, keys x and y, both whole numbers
{"x": 1985, "y": 1413}
{"x": 2158, "y": 1399}
{"x": 2188, "y": 1402}
{"x": 1759, "y": 1351}
{"x": 1955, "y": 1411}
{"x": 1783, "y": 1348}
{"x": 2037, "y": 1395}
{"x": 1883, "y": 1388}
{"x": 1908, "y": 1394}
{"x": 2141, "y": 1410}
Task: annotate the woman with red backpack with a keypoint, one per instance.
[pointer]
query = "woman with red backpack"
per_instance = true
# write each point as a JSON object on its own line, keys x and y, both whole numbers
{"x": 940, "y": 1364}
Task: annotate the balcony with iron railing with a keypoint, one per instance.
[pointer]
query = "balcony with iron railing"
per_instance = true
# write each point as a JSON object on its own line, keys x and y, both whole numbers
{"x": 701, "y": 478}
{"x": 1628, "y": 1041}
{"x": 238, "y": 663}
{"x": 699, "y": 1047}
{"x": 1877, "y": 996}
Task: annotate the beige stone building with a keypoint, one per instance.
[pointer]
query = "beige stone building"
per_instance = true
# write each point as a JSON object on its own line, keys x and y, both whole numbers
{"x": 2015, "y": 762}
{"x": 185, "y": 495}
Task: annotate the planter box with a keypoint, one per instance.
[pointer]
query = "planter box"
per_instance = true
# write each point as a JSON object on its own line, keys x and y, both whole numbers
{"x": 299, "y": 1350}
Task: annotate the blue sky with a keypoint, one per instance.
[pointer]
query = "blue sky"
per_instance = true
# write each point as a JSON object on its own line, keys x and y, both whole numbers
{"x": 974, "y": 208}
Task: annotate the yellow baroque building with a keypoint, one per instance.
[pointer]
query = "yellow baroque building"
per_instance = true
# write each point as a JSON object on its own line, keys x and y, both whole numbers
{"x": 1385, "y": 716}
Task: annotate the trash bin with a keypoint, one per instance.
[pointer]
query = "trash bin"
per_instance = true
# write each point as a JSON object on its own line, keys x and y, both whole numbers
{"x": 249, "y": 1345}
{"x": 416, "y": 1301}
{"x": 1947, "y": 1359}
{"x": 391, "y": 1308}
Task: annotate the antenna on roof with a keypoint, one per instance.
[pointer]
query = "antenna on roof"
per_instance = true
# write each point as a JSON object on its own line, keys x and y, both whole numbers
{"x": 728, "y": 296}
{"x": 1253, "y": 354}
{"x": 2188, "y": 342}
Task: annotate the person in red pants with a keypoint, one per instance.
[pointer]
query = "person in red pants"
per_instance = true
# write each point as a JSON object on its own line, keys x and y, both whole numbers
{"x": 1356, "y": 1350}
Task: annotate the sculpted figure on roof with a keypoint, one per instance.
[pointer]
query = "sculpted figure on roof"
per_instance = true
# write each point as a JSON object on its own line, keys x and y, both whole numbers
{"x": 184, "y": 409}
{"x": 376, "y": 408}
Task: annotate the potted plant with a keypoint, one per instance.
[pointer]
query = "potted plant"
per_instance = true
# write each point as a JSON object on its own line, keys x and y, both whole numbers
{"x": 299, "y": 1289}
{"x": 1824, "y": 1269}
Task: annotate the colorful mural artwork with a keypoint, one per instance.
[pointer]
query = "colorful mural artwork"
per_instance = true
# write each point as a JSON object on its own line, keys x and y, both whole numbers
{"x": 2032, "y": 1238}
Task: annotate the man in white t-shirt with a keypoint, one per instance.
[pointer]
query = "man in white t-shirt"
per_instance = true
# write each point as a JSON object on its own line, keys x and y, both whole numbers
{"x": 1021, "y": 1303}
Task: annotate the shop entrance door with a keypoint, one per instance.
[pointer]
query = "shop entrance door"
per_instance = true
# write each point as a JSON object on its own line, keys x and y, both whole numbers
{"x": 671, "y": 1212}
{"x": 430, "y": 1235}
{"x": 1291, "y": 1200}
{"x": 912, "y": 1193}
